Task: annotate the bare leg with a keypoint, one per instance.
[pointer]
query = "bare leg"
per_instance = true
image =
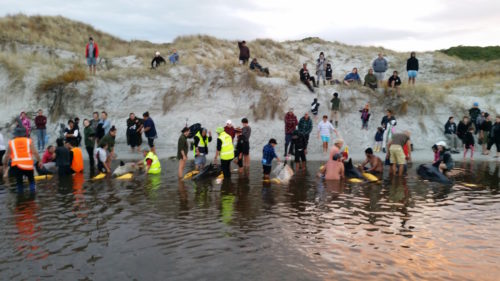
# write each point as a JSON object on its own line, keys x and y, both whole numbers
{"x": 182, "y": 163}
{"x": 401, "y": 170}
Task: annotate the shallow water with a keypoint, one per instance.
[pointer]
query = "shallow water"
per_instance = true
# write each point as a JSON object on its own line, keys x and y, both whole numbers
{"x": 162, "y": 229}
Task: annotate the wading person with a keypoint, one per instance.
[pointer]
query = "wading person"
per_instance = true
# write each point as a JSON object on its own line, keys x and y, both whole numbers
{"x": 225, "y": 149}
{"x": 182, "y": 150}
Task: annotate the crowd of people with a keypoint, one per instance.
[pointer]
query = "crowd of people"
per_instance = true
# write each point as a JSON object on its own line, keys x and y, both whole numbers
{"x": 233, "y": 143}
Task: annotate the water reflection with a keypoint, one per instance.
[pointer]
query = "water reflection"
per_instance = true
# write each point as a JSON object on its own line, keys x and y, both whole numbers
{"x": 162, "y": 228}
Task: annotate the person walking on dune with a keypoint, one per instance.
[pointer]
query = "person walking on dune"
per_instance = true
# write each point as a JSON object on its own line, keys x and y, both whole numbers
{"x": 244, "y": 52}
{"x": 91, "y": 54}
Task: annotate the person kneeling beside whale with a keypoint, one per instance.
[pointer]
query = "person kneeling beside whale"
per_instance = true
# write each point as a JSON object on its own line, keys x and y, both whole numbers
{"x": 445, "y": 163}
{"x": 151, "y": 163}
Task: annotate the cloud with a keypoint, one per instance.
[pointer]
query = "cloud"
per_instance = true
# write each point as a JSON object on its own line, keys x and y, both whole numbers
{"x": 392, "y": 24}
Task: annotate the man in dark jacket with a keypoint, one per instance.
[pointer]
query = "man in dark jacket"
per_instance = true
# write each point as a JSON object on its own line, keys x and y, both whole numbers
{"x": 450, "y": 131}
{"x": 157, "y": 60}
{"x": 475, "y": 113}
{"x": 305, "y": 78}
{"x": 412, "y": 68}
{"x": 305, "y": 127}
{"x": 244, "y": 52}
{"x": 298, "y": 149}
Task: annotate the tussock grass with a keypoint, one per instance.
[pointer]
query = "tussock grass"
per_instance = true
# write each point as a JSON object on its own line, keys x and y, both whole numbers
{"x": 269, "y": 104}
{"x": 15, "y": 70}
{"x": 170, "y": 99}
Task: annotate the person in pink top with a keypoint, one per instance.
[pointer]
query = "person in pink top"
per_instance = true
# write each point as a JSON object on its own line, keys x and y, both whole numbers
{"x": 26, "y": 123}
{"x": 334, "y": 168}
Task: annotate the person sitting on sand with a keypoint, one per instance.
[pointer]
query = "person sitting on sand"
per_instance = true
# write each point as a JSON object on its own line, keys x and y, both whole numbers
{"x": 376, "y": 164}
{"x": 157, "y": 60}
{"x": 445, "y": 162}
{"x": 370, "y": 80}
{"x": 352, "y": 77}
{"x": 254, "y": 65}
{"x": 306, "y": 78}
{"x": 394, "y": 82}
{"x": 333, "y": 169}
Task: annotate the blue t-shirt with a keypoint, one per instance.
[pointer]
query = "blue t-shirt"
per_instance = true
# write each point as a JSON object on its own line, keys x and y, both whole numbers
{"x": 151, "y": 133}
{"x": 353, "y": 76}
{"x": 106, "y": 125}
{"x": 268, "y": 155}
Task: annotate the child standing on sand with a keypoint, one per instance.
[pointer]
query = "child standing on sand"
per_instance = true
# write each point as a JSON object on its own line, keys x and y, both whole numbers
{"x": 365, "y": 116}
{"x": 379, "y": 137}
{"x": 469, "y": 143}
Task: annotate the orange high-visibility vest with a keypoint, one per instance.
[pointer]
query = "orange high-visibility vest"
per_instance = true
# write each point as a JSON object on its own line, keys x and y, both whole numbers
{"x": 20, "y": 153}
{"x": 77, "y": 163}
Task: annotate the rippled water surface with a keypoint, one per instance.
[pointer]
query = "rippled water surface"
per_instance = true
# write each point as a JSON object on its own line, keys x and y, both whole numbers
{"x": 162, "y": 229}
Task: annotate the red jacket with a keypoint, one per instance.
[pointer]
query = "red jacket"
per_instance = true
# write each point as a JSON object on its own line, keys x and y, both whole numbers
{"x": 96, "y": 50}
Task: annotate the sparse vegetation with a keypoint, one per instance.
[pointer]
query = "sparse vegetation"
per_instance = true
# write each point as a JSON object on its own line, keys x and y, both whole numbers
{"x": 269, "y": 104}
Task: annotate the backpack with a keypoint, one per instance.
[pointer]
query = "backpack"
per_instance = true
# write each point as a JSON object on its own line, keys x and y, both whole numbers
{"x": 193, "y": 129}
{"x": 99, "y": 131}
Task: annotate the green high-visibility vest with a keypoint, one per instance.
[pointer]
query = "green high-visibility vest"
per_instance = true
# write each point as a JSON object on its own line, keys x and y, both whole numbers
{"x": 227, "y": 149}
{"x": 155, "y": 167}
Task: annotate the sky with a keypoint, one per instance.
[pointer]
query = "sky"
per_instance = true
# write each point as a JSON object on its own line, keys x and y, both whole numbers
{"x": 394, "y": 24}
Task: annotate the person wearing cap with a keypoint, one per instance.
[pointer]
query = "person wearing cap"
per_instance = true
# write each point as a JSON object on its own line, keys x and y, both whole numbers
{"x": 91, "y": 54}
{"x": 474, "y": 113}
{"x": 241, "y": 146}
{"x": 182, "y": 151}
{"x": 445, "y": 162}
{"x": 150, "y": 131}
{"x": 200, "y": 150}
{"x": 21, "y": 151}
{"x": 484, "y": 133}
{"x": 306, "y": 78}
{"x": 229, "y": 129}
{"x": 396, "y": 153}
{"x": 157, "y": 60}
{"x": 290, "y": 126}
{"x": 225, "y": 149}
{"x": 151, "y": 163}
{"x": 244, "y": 52}
{"x": 268, "y": 154}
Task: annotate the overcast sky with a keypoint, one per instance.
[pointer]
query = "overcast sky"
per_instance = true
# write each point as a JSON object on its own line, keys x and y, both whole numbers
{"x": 394, "y": 24}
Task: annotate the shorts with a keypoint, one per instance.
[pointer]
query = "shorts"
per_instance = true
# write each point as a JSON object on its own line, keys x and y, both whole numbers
{"x": 246, "y": 150}
{"x": 91, "y": 61}
{"x": 300, "y": 156}
{"x": 397, "y": 155}
{"x": 325, "y": 138}
{"x": 412, "y": 73}
{"x": 266, "y": 169}
{"x": 380, "y": 76}
{"x": 200, "y": 159}
{"x": 151, "y": 142}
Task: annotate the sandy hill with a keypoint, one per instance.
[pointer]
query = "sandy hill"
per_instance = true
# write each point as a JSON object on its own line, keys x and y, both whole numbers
{"x": 42, "y": 65}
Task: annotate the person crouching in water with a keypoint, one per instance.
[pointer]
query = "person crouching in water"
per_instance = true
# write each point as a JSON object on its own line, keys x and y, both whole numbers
{"x": 334, "y": 168}
{"x": 200, "y": 150}
{"x": 376, "y": 164}
{"x": 268, "y": 154}
{"x": 20, "y": 151}
{"x": 101, "y": 155}
{"x": 76, "y": 157}
{"x": 445, "y": 162}
{"x": 151, "y": 163}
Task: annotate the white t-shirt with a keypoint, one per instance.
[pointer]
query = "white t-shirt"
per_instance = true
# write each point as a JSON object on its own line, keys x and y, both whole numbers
{"x": 325, "y": 128}
{"x": 2, "y": 143}
{"x": 101, "y": 154}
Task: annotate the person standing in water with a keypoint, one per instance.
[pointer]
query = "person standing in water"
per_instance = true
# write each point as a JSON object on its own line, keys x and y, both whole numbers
{"x": 182, "y": 151}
